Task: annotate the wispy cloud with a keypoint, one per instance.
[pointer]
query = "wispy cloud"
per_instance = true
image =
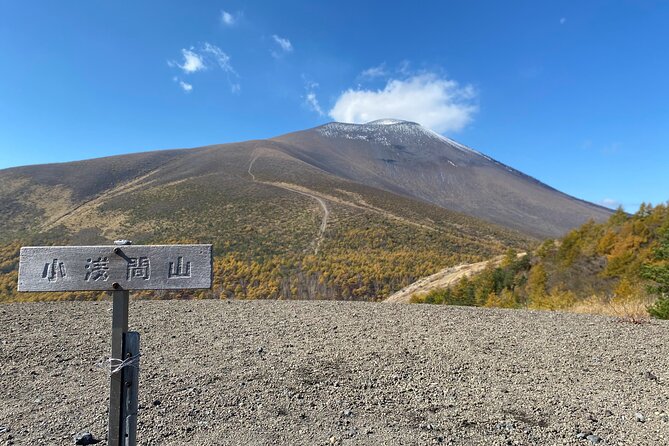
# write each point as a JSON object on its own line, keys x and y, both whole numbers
{"x": 202, "y": 58}
{"x": 186, "y": 86}
{"x": 312, "y": 101}
{"x": 310, "y": 98}
{"x": 192, "y": 61}
{"x": 284, "y": 46}
{"x": 374, "y": 72}
{"x": 563, "y": 20}
{"x": 229, "y": 19}
{"x": 218, "y": 56}
{"x": 404, "y": 67}
{"x": 427, "y": 98}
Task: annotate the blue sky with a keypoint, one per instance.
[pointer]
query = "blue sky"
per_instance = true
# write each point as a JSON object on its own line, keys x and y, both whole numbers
{"x": 574, "y": 93}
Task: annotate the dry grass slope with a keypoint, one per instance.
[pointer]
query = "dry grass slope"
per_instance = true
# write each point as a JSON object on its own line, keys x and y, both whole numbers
{"x": 265, "y": 225}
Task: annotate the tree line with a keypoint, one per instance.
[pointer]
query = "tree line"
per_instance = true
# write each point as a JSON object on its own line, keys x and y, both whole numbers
{"x": 621, "y": 265}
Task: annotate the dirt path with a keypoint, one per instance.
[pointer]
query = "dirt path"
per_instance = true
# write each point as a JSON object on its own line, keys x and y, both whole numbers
{"x": 78, "y": 211}
{"x": 299, "y": 190}
{"x": 442, "y": 279}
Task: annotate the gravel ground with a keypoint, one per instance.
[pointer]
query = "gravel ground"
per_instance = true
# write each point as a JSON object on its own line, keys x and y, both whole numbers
{"x": 320, "y": 373}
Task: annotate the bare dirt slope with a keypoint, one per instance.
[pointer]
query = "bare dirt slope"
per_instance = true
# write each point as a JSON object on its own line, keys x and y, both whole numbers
{"x": 318, "y": 373}
{"x": 442, "y": 279}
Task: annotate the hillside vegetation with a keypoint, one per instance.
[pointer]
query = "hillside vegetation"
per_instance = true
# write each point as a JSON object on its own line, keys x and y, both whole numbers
{"x": 338, "y": 212}
{"x": 355, "y": 263}
{"x": 264, "y": 229}
{"x": 620, "y": 267}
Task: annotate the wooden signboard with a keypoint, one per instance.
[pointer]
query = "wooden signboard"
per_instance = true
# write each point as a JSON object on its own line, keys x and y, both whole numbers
{"x": 117, "y": 268}
{"x": 109, "y": 268}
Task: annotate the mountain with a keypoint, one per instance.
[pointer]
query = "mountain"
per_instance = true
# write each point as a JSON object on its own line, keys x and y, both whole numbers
{"x": 408, "y": 159}
{"x": 339, "y": 211}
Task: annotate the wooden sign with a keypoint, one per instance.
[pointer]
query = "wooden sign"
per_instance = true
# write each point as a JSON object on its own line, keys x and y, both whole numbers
{"x": 119, "y": 268}
{"x": 112, "y": 267}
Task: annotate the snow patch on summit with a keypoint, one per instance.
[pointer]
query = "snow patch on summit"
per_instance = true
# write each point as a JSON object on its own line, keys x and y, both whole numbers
{"x": 461, "y": 147}
{"x": 386, "y": 132}
{"x": 389, "y": 132}
{"x": 389, "y": 122}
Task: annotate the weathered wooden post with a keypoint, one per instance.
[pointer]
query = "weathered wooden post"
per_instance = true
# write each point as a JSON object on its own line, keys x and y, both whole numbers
{"x": 118, "y": 269}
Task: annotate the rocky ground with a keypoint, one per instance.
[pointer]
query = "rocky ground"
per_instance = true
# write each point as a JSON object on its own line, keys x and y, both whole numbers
{"x": 319, "y": 373}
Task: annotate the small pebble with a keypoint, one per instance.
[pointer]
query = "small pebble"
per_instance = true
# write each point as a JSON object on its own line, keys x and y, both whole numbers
{"x": 508, "y": 425}
{"x": 639, "y": 417}
{"x": 651, "y": 376}
{"x": 594, "y": 439}
{"x": 84, "y": 438}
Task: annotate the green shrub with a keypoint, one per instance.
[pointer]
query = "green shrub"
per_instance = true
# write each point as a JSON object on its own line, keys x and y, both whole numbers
{"x": 660, "y": 309}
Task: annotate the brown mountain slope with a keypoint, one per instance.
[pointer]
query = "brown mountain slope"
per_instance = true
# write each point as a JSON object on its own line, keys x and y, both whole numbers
{"x": 281, "y": 228}
{"x": 408, "y": 159}
{"x": 311, "y": 218}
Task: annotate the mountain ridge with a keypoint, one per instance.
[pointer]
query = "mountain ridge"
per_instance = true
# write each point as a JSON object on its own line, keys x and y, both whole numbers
{"x": 406, "y": 158}
{"x": 398, "y": 156}
{"x": 464, "y": 148}
{"x": 295, "y": 216}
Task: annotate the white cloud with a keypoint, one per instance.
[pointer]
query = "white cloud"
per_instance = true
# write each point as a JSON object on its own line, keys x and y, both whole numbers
{"x": 405, "y": 67}
{"x": 284, "y": 44}
{"x": 228, "y": 18}
{"x": 310, "y": 98}
{"x": 433, "y": 101}
{"x": 186, "y": 86}
{"x": 374, "y": 72}
{"x": 192, "y": 63}
{"x": 312, "y": 102}
{"x": 204, "y": 57}
{"x": 610, "y": 203}
{"x": 218, "y": 56}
